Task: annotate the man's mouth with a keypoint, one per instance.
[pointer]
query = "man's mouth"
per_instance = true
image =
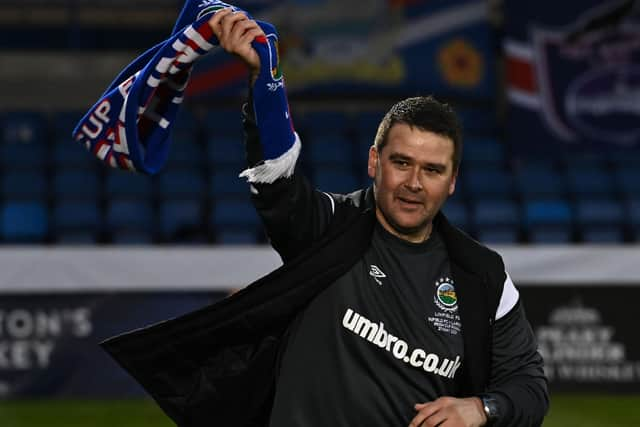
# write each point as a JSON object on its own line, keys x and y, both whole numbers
{"x": 410, "y": 201}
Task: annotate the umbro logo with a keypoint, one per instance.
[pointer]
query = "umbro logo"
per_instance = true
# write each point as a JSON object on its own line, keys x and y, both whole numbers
{"x": 376, "y": 273}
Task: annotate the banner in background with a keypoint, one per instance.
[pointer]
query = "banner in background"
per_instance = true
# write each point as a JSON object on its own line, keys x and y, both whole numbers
{"x": 587, "y": 335}
{"x": 573, "y": 75}
{"x": 49, "y": 342}
{"x": 369, "y": 47}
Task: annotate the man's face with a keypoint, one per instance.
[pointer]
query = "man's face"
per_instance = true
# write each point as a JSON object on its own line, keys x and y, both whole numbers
{"x": 413, "y": 176}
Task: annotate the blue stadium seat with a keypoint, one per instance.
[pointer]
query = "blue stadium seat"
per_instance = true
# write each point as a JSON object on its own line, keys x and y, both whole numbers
{"x": 76, "y": 237}
{"x": 129, "y": 215}
{"x": 323, "y": 121}
{"x": 131, "y": 237}
{"x": 234, "y": 213}
{"x": 237, "y": 237}
{"x": 366, "y": 125}
{"x": 478, "y": 152}
{"x": 497, "y": 235}
{"x": 185, "y": 153}
{"x": 182, "y": 183}
{"x": 478, "y": 120}
{"x": 628, "y": 182}
{"x": 330, "y": 150}
{"x": 633, "y": 217}
{"x": 336, "y": 180}
{"x": 23, "y": 222}
{"x": 589, "y": 182}
{"x": 540, "y": 182}
{"x": 122, "y": 184}
{"x": 76, "y": 215}
{"x": 224, "y": 123}
{"x": 599, "y": 212}
{"x": 76, "y": 184}
{"x": 69, "y": 154}
{"x": 548, "y": 221}
{"x": 495, "y": 212}
{"x": 225, "y": 151}
{"x": 181, "y": 219}
{"x": 600, "y": 235}
{"x": 186, "y": 126}
{"x": 62, "y": 125}
{"x": 225, "y": 182}
{"x": 456, "y": 213}
{"x": 481, "y": 183}
{"x": 23, "y": 128}
{"x": 600, "y": 220}
{"x": 23, "y": 185}
{"x": 496, "y": 220}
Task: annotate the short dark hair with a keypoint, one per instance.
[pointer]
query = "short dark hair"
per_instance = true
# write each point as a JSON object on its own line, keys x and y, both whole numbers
{"x": 425, "y": 113}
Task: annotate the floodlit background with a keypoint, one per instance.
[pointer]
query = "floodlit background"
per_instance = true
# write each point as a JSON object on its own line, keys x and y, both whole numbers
{"x": 549, "y": 96}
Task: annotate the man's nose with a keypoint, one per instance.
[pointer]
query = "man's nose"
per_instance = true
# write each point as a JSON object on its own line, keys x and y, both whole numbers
{"x": 413, "y": 182}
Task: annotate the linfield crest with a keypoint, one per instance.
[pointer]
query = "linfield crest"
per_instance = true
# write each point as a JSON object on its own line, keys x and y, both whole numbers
{"x": 588, "y": 75}
{"x": 445, "y": 296}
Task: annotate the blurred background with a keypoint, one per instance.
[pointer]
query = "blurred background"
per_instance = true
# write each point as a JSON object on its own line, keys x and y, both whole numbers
{"x": 549, "y": 96}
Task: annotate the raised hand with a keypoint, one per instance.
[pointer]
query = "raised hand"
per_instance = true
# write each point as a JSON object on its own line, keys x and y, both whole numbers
{"x": 236, "y": 31}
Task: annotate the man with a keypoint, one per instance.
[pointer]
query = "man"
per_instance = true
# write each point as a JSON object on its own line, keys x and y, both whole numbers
{"x": 356, "y": 379}
{"x": 383, "y": 314}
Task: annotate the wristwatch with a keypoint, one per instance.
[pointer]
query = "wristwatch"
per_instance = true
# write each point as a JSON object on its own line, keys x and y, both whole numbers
{"x": 491, "y": 408}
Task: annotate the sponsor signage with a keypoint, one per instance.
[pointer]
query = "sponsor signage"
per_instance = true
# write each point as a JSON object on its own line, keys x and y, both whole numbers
{"x": 587, "y": 336}
{"x": 575, "y": 69}
{"x": 49, "y": 343}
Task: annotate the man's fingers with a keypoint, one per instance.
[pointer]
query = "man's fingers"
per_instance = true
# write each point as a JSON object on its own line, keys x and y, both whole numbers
{"x": 250, "y": 35}
{"x": 228, "y": 22}
{"x": 216, "y": 19}
{"x": 425, "y": 410}
{"x": 240, "y": 28}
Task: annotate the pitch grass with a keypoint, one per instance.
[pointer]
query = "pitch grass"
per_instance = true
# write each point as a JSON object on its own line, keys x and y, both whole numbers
{"x": 566, "y": 411}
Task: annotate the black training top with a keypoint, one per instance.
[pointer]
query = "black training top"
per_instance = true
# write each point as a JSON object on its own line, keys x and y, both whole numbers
{"x": 383, "y": 337}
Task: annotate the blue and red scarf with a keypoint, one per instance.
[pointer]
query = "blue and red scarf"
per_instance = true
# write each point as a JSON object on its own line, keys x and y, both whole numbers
{"x": 129, "y": 127}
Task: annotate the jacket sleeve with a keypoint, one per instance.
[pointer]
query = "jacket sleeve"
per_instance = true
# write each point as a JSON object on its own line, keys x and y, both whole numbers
{"x": 517, "y": 377}
{"x": 294, "y": 214}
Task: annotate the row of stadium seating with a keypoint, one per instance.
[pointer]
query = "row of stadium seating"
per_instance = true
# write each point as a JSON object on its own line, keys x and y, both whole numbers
{"x": 52, "y": 190}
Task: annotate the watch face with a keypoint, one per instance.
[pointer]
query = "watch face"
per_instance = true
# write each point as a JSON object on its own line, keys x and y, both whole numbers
{"x": 490, "y": 406}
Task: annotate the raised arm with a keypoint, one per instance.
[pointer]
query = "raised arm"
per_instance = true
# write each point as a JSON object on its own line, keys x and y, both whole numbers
{"x": 294, "y": 214}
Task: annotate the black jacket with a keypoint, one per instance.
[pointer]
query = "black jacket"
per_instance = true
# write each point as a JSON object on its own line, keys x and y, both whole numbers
{"x": 216, "y": 366}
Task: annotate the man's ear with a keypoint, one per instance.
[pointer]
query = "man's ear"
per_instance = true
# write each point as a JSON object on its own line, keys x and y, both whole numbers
{"x": 452, "y": 184}
{"x": 372, "y": 162}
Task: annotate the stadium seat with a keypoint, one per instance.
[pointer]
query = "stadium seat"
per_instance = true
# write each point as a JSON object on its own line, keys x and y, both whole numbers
{"x": 131, "y": 237}
{"x": 633, "y": 217}
{"x": 186, "y": 127}
{"x": 495, "y": 212}
{"x": 324, "y": 121}
{"x": 123, "y": 184}
{"x": 24, "y": 185}
{"x": 185, "y": 153}
{"x": 22, "y": 222}
{"x": 225, "y": 182}
{"x": 330, "y": 150}
{"x": 590, "y": 182}
{"x": 129, "y": 215}
{"x": 497, "y": 235}
{"x": 23, "y": 128}
{"x": 456, "y": 213}
{"x": 181, "y": 220}
{"x": 481, "y": 183}
{"x": 483, "y": 152}
{"x": 548, "y": 221}
{"x": 366, "y": 125}
{"x": 76, "y": 184}
{"x": 336, "y": 180}
{"x": 233, "y": 214}
{"x": 224, "y": 123}
{"x": 237, "y": 237}
{"x": 62, "y": 125}
{"x": 226, "y": 151}
{"x": 76, "y": 215}
{"x": 182, "y": 184}
{"x": 69, "y": 154}
{"x": 540, "y": 182}
{"x": 600, "y": 220}
{"x": 628, "y": 182}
